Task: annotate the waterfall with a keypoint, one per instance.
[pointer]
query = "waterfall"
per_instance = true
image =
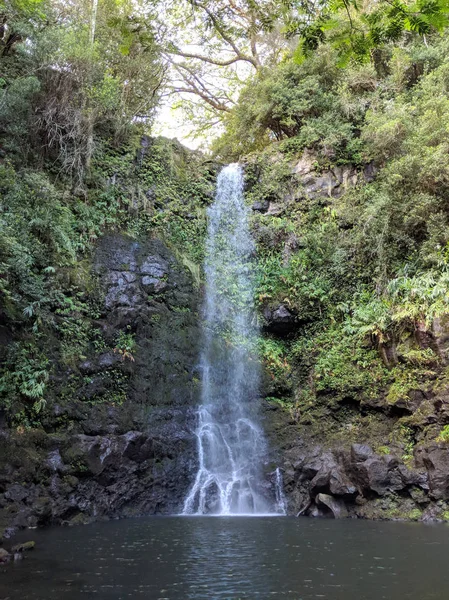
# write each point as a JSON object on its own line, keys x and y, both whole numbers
{"x": 231, "y": 445}
{"x": 281, "y": 503}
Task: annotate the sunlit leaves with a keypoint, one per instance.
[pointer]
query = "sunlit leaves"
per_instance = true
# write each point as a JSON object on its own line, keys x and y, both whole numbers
{"x": 357, "y": 31}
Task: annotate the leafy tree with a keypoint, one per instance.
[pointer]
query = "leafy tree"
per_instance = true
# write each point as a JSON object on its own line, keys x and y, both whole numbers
{"x": 358, "y": 31}
{"x": 212, "y": 46}
{"x": 300, "y": 105}
{"x": 93, "y": 66}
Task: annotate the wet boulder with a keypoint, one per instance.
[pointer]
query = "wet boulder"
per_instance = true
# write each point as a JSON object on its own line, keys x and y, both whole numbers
{"x": 107, "y": 360}
{"x": 152, "y": 285}
{"x": 440, "y": 331}
{"x": 261, "y": 206}
{"x": 23, "y": 547}
{"x": 5, "y": 556}
{"x": 376, "y": 475}
{"x": 54, "y": 461}
{"x": 130, "y": 271}
{"x": 436, "y": 460}
{"x": 361, "y": 452}
{"x": 280, "y": 320}
{"x": 331, "y": 479}
{"x": 155, "y": 266}
{"x": 336, "y": 507}
{"x": 16, "y": 493}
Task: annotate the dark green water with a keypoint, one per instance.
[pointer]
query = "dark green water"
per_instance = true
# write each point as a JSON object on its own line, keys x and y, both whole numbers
{"x": 181, "y": 558}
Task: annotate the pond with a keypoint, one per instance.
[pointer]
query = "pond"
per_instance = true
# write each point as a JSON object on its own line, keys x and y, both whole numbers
{"x": 233, "y": 557}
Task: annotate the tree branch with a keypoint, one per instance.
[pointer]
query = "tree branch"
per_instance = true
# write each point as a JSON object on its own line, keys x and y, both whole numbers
{"x": 215, "y": 104}
{"x": 225, "y": 36}
{"x": 212, "y": 61}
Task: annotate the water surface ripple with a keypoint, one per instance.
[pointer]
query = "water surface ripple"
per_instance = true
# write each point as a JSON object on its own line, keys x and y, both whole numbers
{"x": 203, "y": 558}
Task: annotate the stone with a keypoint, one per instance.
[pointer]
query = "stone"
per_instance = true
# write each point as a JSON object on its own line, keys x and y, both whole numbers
{"x": 419, "y": 496}
{"x": 321, "y": 185}
{"x": 153, "y": 285}
{"x": 5, "y": 556}
{"x": 370, "y": 172}
{"x": 107, "y": 360}
{"x": 305, "y": 164}
{"x": 16, "y": 493}
{"x": 431, "y": 514}
{"x": 23, "y": 547}
{"x": 275, "y": 209}
{"x": 123, "y": 295}
{"x": 331, "y": 479}
{"x": 413, "y": 477}
{"x": 332, "y": 183}
{"x": 121, "y": 278}
{"x": 361, "y": 452}
{"x": 379, "y": 474}
{"x": 310, "y": 465}
{"x": 440, "y": 331}
{"x": 132, "y": 450}
{"x": 260, "y": 206}
{"x": 436, "y": 461}
{"x": 340, "y": 484}
{"x": 154, "y": 266}
{"x": 280, "y": 320}
{"x": 54, "y": 461}
{"x": 336, "y": 507}
{"x": 116, "y": 253}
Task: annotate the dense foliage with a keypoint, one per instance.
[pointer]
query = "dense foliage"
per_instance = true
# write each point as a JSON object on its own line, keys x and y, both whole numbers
{"x": 363, "y": 267}
{"x": 356, "y": 93}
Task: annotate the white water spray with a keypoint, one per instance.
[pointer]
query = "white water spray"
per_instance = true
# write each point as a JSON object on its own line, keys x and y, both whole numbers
{"x": 231, "y": 445}
{"x": 281, "y": 503}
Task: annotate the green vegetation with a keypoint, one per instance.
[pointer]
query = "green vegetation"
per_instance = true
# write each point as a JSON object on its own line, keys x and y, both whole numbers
{"x": 444, "y": 435}
{"x": 340, "y": 116}
{"x": 363, "y": 266}
{"x": 125, "y": 345}
{"x": 78, "y": 95}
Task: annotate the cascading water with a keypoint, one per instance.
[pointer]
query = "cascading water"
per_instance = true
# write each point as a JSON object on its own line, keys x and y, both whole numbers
{"x": 231, "y": 445}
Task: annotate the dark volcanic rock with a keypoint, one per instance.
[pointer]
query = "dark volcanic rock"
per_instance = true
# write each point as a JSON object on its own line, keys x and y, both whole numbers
{"x": 280, "y": 320}
{"x": 436, "y": 460}
{"x": 440, "y": 330}
{"x": 375, "y": 474}
{"x": 5, "y": 556}
{"x": 331, "y": 479}
{"x": 335, "y": 506}
{"x": 361, "y": 452}
{"x": 359, "y": 482}
{"x": 100, "y": 363}
{"x": 261, "y": 206}
{"x": 127, "y": 445}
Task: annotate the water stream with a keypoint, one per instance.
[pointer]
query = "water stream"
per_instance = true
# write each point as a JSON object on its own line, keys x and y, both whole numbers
{"x": 231, "y": 445}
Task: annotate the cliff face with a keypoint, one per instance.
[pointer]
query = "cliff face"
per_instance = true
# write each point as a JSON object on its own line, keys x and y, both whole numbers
{"x": 355, "y": 401}
{"x": 100, "y": 335}
{"x": 117, "y": 433}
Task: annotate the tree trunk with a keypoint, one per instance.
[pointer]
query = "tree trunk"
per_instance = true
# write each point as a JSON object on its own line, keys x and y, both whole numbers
{"x": 93, "y": 21}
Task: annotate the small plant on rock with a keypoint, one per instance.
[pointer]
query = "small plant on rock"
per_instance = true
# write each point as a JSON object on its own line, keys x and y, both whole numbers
{"x": 444, "y": 435}
{"x": 125, "y": 345}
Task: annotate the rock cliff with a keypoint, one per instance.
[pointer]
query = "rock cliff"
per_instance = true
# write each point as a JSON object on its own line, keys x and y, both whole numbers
{"x": 117, "y": 437}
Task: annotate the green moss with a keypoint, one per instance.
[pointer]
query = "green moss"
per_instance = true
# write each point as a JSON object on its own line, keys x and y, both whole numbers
{"x": 404, "y": 436}
{"x": 444, "y": 435}
{"x": 405, "y": 381}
